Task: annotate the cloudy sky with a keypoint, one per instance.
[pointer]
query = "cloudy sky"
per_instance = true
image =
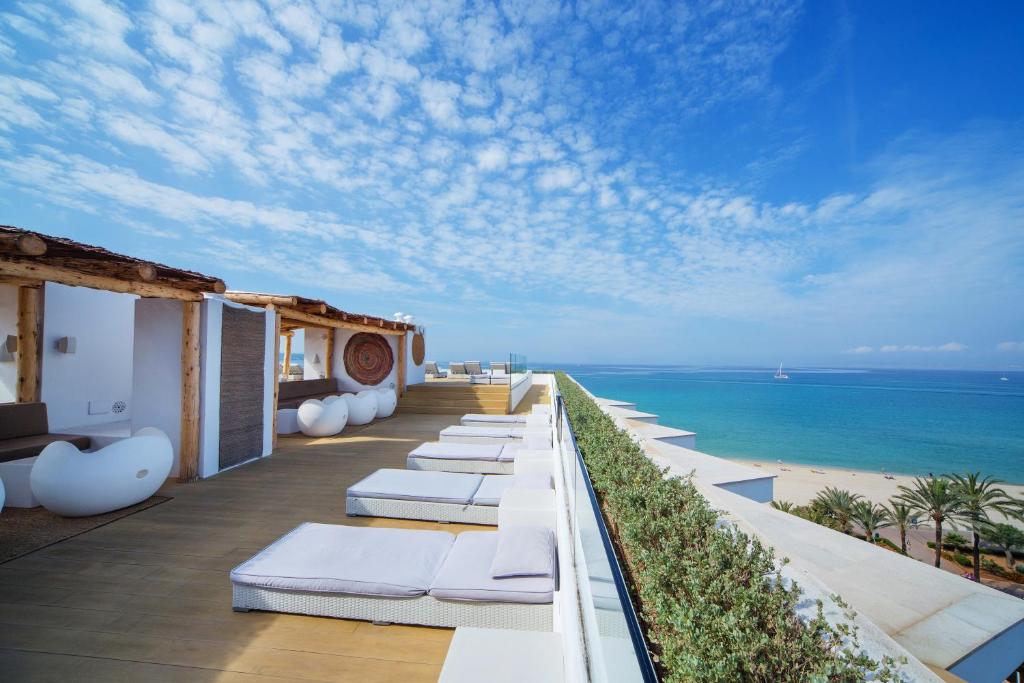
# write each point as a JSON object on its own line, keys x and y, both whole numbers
{"x": 721, "y": 183}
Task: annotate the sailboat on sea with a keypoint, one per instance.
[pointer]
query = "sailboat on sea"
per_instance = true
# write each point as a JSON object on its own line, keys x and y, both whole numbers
{"x": 779, "y": 374}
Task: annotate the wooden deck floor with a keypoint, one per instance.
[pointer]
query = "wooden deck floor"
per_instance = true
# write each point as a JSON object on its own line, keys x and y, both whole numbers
{"x": 148, "y": 598}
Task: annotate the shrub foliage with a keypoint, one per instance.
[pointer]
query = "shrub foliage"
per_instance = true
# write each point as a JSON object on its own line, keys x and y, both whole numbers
{"x": 712, "y": 600}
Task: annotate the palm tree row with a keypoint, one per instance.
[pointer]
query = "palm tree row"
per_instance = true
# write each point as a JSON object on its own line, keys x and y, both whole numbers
{"x": 969, "y": 499}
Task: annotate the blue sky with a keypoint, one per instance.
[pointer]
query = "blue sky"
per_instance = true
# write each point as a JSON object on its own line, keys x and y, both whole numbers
{"x": 715, "y": 183}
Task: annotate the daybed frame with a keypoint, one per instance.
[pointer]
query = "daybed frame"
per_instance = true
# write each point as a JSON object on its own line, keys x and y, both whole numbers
{"x": 464, "y": 513}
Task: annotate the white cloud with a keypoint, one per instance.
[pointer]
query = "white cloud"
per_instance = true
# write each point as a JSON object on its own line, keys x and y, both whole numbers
{"x": 948, "y": 347}
{"x": 493, "y": 157}
{"x": 560, "y": 177}
{"x": 859, "y": 350}
{"x": 1010, "y": 346}
{"x": 440, "y": 101}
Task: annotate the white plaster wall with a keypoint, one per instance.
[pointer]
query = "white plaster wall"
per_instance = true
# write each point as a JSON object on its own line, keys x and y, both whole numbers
{"x": 156, "y": 379}
{"x": 346, "y": 383}
{"x": 521, "y": 388}
{"x": 8, "y": 325}
{"x": 414, "y": 374}
{"x": 315, "y": 345}
{"x": 209, "y": 378}
{"x": 758, "y": 490}
{"x": 103, "y": 324}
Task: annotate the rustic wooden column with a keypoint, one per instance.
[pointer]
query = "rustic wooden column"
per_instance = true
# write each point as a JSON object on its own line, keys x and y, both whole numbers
{"x": 189, "y": 457}
{"x": 287, "y": 364}
{"x": 329, "y": 354}
{"x": 401, "y": 364}
{"x": 277, "y": 377}
{"x": 30, "y": 345}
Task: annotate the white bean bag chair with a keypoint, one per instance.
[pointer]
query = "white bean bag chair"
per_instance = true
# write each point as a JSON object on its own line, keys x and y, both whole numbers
{"x": 72, "y": 483}
{"x": 387, "y": 401}
{"x": 322, "y": 418}
{"x": 3, "y": 495}
{"x": 362, "y": 407}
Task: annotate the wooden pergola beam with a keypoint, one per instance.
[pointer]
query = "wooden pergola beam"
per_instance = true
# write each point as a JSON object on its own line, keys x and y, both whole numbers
{"x": 22, "y": 245}
{"x": 277, "y": 378}
{"x": 329, "y": 355}
{"x": 30, "y": 348}
{"x": 291, "y": 314}
{"x": 287, "y": 364}
{"x": 254, "y": 299}
{"x": 188, "y": 457}
{"x": 41, "y": 271}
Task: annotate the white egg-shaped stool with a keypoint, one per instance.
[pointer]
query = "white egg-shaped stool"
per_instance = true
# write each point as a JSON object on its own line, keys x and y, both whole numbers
{"x": 3, "y": 495}
{"x": 362, "y": 407}
{"x": 387, "y": 401}
{"x": 74, "y": 483}
{"x": 322, "y": 418}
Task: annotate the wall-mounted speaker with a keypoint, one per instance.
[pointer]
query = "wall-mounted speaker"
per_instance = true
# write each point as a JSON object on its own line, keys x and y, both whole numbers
{"x": 67, "y": 344}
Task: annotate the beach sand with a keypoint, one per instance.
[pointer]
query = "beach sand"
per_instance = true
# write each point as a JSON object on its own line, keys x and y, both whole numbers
{"x": 799, "y": 483}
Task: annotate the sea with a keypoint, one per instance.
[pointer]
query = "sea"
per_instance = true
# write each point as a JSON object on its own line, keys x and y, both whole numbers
{"x": 902, "y": 421}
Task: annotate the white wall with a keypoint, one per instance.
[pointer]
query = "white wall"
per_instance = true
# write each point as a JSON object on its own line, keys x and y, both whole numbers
{"x": 8, "y": 325}
{"x": 521, "y": 388}
{"x": 156, "y": 381}
{"x": 315, "y": 345}
{"x": 346, "y": 383}
{"x": 414, "y": 374}
{"x": 101, "y": 367}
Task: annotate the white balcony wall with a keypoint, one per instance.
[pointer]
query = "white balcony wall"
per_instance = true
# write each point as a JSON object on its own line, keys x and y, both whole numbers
{"x": 156, "y": 385}
{"x": 314, "y": 351}
{"x": 8, "y": 325}
{"x": 414, "y": 374}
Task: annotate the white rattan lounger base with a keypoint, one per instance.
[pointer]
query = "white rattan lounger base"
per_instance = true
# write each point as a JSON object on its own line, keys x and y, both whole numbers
{"x": 469, "y": 466}
{"x": 424, "y": 610}
{"x": 420, "y": 509}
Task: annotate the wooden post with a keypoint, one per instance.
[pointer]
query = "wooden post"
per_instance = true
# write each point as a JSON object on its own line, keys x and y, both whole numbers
{"x": 189, "y": 457}
{"x": 30, "y": 346}
{"x": 329, "y": 354}
{"x": 401, "y": 365}
{"x": 288, "y": 354}
{"x": 277, "y": 354}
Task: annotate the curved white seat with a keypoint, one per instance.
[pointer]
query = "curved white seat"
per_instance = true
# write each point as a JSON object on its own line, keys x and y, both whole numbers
{"x": 75, "y": 484}
{"x": 362, "y": 407}
{"x": 387, "y": 401}
{"x": 322, "y": 418}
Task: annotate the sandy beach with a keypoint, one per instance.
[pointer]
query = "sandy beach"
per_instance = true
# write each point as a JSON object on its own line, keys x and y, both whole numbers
{"x": 799, "y": 483}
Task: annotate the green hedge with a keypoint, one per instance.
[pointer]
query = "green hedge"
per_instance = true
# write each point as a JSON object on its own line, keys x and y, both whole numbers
{"x": 712, "y": 601}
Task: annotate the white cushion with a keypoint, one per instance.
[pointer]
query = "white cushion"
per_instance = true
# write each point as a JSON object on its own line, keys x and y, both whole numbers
{"x": 532, "y": 480}
{"x": 495, "y": 419}
{"x": 330, "y": 558}
{"x": 524, "y": 551}
{"x": 457, "y": 451}
{"x": 435, "y": 487}
{"x": 491, "y": 488}
{"x": 465, "y": 575}
{"x": 480, "y": 432}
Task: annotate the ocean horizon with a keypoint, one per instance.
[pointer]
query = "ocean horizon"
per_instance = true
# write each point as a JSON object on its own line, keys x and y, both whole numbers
{"x": 912, "y": 422}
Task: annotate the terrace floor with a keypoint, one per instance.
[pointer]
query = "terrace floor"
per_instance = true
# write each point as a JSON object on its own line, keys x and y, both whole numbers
{"x": 148, "y": 598}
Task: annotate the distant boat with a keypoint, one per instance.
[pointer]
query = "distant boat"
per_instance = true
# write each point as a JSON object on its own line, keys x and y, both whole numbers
{"x": 779, "y": 374}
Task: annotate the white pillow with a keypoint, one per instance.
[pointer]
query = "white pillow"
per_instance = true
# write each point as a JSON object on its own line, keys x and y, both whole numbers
{"x": 532, "y": 480}
{"x": 524, "y": 551}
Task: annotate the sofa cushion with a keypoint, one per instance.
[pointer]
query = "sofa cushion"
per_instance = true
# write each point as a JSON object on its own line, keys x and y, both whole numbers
{"x": 306, "y": 387}
{"x": 466, "y": 574}
{"x": 22, "y": 419}
{"x": 31, "y": 446}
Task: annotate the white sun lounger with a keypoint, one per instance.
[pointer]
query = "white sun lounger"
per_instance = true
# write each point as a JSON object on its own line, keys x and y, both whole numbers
{"x": 524, "y": 421}
{"x": 404, "y": 576}
{"x": 462, "y": 457}
{"x": 433, "y": 496}
{"x": 530, "y": 436}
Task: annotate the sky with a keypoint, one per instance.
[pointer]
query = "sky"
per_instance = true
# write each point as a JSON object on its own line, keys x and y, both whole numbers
{"x": 715, "y": 183}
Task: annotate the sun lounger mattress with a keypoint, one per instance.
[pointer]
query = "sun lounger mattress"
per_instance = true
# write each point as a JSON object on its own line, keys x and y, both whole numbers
{"x": 466, "y": 575}
{"x": 494, "y": 419}
{"x": 457, "y": 451}
{"x": 433, "y": 487}
{"x": 329, "y": 558}
{"x": 491, "y": 488}
{"x": 482, "y": 432}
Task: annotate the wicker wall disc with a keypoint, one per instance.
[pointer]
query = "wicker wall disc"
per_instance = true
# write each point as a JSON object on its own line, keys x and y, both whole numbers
{"x": 419, "y": 349}
{"x": 368, "y": 358}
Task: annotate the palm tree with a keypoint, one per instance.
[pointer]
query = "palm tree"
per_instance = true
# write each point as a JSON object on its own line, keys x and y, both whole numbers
{"x": 871, "y": 517}
{"x": 783, "y": 505}
{"x": 839, "y": 504}
{"x": 980, "y": 496}
{"x": 903, "y": 518}
{"x": 1005, "y": 536}
{"x": 935, "y": 497}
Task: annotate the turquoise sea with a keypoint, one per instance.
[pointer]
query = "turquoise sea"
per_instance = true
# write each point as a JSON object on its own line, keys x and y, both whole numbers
{"x": 903, "y": 421}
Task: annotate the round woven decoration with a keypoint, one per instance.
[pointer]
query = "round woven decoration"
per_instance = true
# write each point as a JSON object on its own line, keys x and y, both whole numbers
{"x": 368, "y": 358}
{"x": 419, "y": 349}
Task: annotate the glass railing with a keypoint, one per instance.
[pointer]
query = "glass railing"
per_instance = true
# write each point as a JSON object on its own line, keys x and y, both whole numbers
{"x": 614, "y": 641}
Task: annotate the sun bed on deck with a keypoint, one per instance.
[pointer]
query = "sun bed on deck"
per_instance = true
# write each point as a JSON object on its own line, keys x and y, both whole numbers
{"x": 434, "y": 496}
{"x": 461, "y": 457}
{"x": 405, "y": 576}
{"x": 532, "y": 437}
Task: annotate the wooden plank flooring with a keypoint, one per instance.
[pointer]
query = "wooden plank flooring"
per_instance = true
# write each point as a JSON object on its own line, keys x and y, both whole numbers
{"x": 147, "y": 598}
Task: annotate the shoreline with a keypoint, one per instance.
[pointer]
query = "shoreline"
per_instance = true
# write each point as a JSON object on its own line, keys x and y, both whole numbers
{"x": 799, "y": 483}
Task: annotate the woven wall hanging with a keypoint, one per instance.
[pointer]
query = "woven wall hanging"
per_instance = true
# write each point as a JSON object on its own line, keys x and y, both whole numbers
{"x": 368, "y": 358}
{"x": 419, "y": 349}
